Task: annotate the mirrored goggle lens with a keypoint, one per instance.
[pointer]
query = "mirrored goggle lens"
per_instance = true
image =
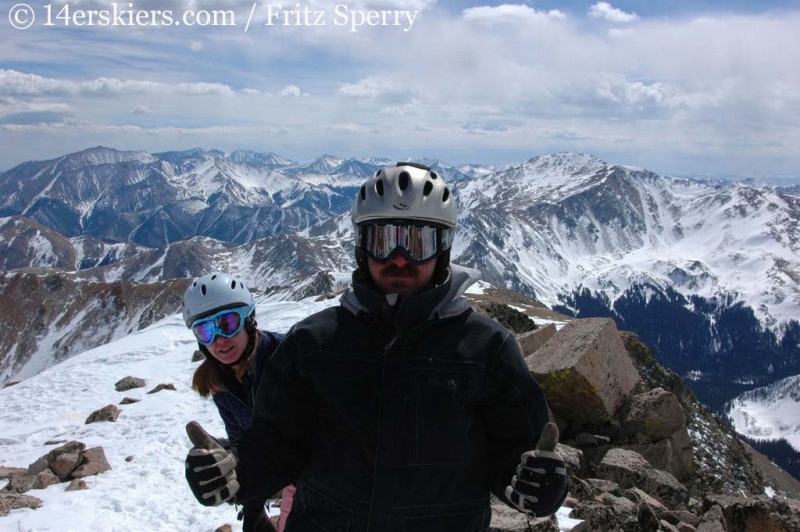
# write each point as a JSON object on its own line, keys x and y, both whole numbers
{"x": 225, "y": 324}
{"x": 420, "y": 242}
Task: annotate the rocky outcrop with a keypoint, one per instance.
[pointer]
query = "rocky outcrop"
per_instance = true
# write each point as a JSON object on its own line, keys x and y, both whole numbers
{"x": 70, "y": 462}
{"x": 584, "y": 371}
{"x": 14, "y": 501}
{"x": 161, "y": 387}
{"x": 641, "y": 451}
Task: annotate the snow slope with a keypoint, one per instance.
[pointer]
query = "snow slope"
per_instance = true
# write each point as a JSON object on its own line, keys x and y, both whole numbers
{"x": 770, "y": 413}
{"x": 149, "y": 492}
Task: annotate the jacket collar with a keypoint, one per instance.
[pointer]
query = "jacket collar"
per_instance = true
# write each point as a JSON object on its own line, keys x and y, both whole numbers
{"x": 405, "y": 313}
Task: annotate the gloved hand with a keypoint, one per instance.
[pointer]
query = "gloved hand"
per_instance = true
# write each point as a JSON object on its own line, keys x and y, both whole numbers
{"x": 210, "y": 469}
{"x": 541, "y": 482}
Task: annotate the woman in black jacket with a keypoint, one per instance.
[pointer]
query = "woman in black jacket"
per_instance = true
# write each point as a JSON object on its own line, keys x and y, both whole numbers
{"x": 220, "y": 311}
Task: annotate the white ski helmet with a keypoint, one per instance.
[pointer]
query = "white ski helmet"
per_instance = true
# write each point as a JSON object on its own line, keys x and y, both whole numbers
{"x": 213, "y": 292}
{"x": 408, "y": 191}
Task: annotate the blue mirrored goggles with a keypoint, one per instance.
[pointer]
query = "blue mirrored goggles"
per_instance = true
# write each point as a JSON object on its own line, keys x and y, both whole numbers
{"x": 420, "y": 243}
{"x": 226, "y": 323}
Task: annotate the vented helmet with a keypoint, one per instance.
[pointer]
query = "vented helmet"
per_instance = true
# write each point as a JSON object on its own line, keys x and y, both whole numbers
{"x": 214, "y": 292}
{"x": 408, "y": 191}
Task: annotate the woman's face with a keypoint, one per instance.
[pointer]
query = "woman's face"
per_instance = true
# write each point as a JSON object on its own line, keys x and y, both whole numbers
{"x": 228, "y": 350}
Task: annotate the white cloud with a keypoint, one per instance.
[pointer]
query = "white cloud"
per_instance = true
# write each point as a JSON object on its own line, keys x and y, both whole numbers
{"x": 196, "y": 46}
{"x": 509, "y": 13}
{"x": 24, "y": 84}
{"x": 606, "y": 11}
{"x": 353, "y": 128}
{"x": 142, "y": 110}
{"x": 291, "y": 90}
{"x": 561, "y": 134}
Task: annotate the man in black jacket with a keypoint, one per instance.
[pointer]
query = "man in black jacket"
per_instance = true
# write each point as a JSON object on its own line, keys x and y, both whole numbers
{"x": 401, "y": 409}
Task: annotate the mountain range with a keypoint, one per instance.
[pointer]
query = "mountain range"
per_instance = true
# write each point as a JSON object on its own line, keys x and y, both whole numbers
{"x": 706, "y": 272}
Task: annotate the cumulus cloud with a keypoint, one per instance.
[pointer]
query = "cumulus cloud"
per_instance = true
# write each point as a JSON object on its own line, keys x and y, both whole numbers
{"x": 291, "y": 90}
{"x": 142, "y": 110}
{"x": 509, "y": 13}
{"x": 606, "y": 11}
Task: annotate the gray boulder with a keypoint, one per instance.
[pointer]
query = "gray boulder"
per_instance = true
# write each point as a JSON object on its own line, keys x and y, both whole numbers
{"x": 107, "y": 413}
{"x": 14, "y": 501}
{"x": 129, "y": 383}
{"x": 531, "y": 341}
{"x": 656, "y": 414}
{"x": 585, "y": 371}
{"x": 93, "y": 462}
{"x": 631, "y": 470}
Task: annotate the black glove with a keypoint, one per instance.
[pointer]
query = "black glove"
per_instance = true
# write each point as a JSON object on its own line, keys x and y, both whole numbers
{"x": 210, "y": 469}
{"x": 541, "y": 482}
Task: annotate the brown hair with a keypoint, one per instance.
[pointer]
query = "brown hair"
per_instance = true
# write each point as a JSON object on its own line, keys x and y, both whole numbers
{"x": 206, "y": 379}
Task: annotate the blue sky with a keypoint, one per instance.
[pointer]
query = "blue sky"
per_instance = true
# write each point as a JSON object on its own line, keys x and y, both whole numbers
{"x": 679, "y": 87}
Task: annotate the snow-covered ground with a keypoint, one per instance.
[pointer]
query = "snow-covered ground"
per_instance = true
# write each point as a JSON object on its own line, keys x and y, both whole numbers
{"x": 770, "y": 413}
{"x": 149, "y": 492}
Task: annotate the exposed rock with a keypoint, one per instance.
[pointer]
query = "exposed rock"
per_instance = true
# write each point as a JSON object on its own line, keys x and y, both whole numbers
{"x": 508, "y": 317}
{"x": 601, "y": 485}
{"x": 597, "y": 516}
{"x": 224, "y": 528}
{"x": 198, "y": 356}
{"x": 584, "y": 370}
{"x": 677, "y": 516}
{"x": 162, "y": 387}
{"x": 46, "y": 478}
{"x": 630, "y": 470}
{"x": 581, "y": 489}
{"x": 93, "y": 463}
{"x": 723, "y": 463}
{"x": 7, "y": 472}
{"x": 64, "y": 464}
{"x": 9, "y": 384}
{"x": 129, "y": 458}
{"x": 54, "y": 442}
{"x": 531, "y": 341}
{"x": 758, "y": 514}
{"x": 574, "y": 459}
{"x": 20, "y": 483}
{"x": 107, "y": 413}
{"x": 668, "y": 527}
{"x": 646, "y": 517}
{"x": 14, "y": 501}
{"x": 129, "y": 383}
{"x": 656, "y": 413}
{"x": 685, "y": 527}
{"x": 673, "y": 455}
{"x": 635, "y": 494}
{"x": 713, "y": 521}
{"x": 505, "y": 519}
{"x": 77, "y": 485}
{"x": 620, "y": 504}
{"x": 129, "y": 401}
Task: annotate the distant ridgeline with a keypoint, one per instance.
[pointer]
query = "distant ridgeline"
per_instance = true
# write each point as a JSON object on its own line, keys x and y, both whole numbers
{"x": 779, "y": 451}
{"x": 719, "y": 347}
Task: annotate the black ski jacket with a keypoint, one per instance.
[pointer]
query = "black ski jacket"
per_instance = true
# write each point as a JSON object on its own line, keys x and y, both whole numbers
{"x": 392, "y": 414}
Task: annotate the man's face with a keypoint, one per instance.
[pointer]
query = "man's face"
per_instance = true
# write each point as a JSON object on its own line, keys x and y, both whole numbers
{"x": 399, "y": 276}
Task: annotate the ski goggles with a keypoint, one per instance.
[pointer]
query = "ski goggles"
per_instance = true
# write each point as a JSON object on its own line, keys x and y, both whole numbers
{"x": 420, "y": 243}
{"x": 226, "y": 323}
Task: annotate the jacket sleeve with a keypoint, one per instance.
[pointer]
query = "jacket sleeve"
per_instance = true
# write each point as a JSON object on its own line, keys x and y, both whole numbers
{"x": 514, "y": 412}
{"x": 233, "y": 428}
{"x": 274, "y": 450}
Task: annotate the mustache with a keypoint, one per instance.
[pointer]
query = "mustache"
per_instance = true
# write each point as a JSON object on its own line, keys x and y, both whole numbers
{"x": 408, "y": 270}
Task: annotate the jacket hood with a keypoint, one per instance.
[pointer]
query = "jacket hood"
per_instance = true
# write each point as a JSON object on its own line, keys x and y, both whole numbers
{"x": 442, "y": 301}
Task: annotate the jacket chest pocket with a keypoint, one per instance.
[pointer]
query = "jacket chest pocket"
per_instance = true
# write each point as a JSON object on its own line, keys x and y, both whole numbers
{"x": 440, "y": 419}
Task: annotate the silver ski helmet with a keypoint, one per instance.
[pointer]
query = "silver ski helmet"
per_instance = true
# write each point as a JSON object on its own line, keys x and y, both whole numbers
{"x": 408, "y": 191}
{"x": 213, "y": 292}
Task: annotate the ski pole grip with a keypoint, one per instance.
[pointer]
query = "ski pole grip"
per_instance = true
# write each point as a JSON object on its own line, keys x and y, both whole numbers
{"x": 200, "y": 438}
